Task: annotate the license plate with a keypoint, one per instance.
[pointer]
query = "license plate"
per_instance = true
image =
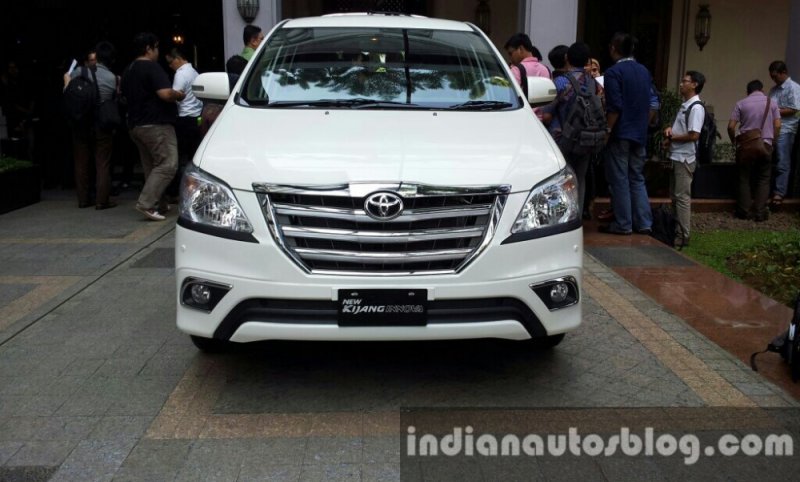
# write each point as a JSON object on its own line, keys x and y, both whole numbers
{"x": 383, "y": 307}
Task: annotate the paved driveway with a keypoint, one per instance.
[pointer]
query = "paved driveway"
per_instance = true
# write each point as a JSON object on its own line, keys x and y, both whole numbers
{"x": 96, "y": 383}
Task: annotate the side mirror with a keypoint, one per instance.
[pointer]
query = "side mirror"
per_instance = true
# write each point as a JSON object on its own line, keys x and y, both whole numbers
{"x": 212, "y": 86}
{"x": 541, "y": 91}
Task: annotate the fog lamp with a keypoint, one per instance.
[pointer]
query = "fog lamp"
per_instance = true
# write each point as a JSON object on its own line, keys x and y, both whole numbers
{"x": 201, "y": 294}
{"x": 559, "y": 292}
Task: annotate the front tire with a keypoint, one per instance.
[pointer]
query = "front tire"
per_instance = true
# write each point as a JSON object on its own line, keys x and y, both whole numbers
{"x": 210, "y": 345}
{"x": 546, "y": 342}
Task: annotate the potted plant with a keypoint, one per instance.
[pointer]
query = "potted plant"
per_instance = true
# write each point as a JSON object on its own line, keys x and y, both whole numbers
{"x": 658, "y": 168}
{"x": 19, "y": 184}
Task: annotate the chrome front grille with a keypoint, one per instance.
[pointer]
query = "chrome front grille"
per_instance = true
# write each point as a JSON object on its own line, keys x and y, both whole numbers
{"x": 326, "y": 229}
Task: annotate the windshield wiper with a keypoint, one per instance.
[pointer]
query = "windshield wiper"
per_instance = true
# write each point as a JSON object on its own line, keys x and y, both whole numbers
{"x": 482, "y": 105}
{"x": 356, "y": 103}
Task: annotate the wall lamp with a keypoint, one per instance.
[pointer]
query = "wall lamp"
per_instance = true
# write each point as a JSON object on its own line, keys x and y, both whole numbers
{"x": 702, "y": 27}
{"x": 248, "y": 9}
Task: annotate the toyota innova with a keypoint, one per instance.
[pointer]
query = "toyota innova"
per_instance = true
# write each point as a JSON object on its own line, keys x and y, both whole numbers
{"x": 377, "y": 177}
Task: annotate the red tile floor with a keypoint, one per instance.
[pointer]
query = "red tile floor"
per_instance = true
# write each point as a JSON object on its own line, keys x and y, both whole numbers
{"x": 735, "y": 317}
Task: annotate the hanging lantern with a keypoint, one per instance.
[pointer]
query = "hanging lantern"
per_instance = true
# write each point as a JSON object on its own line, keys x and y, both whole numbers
{"x": 248, "y": 9}
{"x": 702, "y": 27}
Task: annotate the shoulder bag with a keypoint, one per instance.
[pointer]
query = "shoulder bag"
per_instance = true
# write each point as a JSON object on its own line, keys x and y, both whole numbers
{"x": 750, "y": 145}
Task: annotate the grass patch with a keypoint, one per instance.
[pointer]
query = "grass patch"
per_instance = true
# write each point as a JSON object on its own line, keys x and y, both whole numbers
{"x": 767, "y": 261}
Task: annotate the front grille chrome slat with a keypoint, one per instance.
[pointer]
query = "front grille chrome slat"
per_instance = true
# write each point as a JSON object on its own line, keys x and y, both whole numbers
{"x": 325, "y": 229}
{"x": 382, "y": 258}
{"x": 380, "y": 236}
{"x": 360, "y": 216}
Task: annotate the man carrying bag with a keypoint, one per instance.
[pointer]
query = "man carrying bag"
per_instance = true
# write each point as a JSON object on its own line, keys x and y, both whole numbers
{"x": 759, "y": 123}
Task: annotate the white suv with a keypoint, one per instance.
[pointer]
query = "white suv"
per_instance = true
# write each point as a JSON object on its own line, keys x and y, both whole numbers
{"x": 377, "y": 177}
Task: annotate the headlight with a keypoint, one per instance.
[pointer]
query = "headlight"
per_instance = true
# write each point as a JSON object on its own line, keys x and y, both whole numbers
{"x": 208, "y": 201}
{"x": 554, "y": 201}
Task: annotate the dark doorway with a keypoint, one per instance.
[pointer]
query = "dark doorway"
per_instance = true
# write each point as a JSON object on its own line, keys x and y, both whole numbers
{"x": 48, "y": 32}
{"x": 649, "y": 22}
{"x": 43, "y": 36}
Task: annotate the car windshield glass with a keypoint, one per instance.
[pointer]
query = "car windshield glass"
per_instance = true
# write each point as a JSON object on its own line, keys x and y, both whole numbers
{"x": 378, "y": 68}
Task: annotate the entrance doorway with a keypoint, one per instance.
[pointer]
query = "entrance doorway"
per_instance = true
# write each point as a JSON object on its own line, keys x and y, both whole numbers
{"x": 649, "y": 22}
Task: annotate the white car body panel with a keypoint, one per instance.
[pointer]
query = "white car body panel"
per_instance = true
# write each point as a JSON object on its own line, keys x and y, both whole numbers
{"x": 325, "y": 147}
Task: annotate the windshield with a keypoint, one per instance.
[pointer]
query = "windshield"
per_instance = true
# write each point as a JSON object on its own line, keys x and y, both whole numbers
{"x": 378, "y": 68}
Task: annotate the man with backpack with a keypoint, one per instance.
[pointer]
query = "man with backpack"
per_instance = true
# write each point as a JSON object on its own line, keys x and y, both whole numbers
{"x": 681, "y": 140}
{"x": 576, "y": 118}
{"x": 85, "y": 89}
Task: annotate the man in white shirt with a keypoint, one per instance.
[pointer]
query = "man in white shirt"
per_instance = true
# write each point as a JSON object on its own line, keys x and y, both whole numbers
{"x": 187, "y": 125}
{"x": 681, "y": 139}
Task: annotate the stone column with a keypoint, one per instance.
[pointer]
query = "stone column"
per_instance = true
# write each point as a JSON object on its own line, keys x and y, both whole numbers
{"x": 793, "y": 42}
{"x": 233, "y": 24}
{"x": 550, "y": 23}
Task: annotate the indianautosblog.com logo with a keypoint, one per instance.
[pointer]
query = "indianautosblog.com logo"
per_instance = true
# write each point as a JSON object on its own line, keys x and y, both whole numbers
{"x": 463, "y": 442}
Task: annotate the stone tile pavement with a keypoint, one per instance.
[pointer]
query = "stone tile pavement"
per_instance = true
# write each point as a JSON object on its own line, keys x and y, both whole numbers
{"x": 96, "y": 383}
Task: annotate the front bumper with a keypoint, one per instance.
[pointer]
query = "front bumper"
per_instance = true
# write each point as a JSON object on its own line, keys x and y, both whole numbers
{"x": 270, "y": 297}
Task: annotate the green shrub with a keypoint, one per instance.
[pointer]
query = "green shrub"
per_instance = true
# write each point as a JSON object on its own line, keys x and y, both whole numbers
{"x": 772, "y": 267}
{"x": 670, "y": 104}
{"x": 767, "y": 261}
{"x": 724, "y": 152}
{"x": 13, "y": 164}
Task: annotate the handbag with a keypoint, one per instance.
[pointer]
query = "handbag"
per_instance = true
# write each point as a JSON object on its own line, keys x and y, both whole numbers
{"x": 750, "y": 146}
{"x": 106, "y": 115}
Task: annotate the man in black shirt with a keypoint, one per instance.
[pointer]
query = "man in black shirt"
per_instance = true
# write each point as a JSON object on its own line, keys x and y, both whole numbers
{"x": 152, "y": 111}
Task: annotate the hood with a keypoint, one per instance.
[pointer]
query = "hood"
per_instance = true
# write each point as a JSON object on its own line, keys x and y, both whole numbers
{"x": 317, "y": 146}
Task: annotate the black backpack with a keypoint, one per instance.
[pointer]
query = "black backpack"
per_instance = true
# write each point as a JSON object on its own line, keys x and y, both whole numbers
{"x": 583, "y": 129}
{"x": 787, "y": 344}
{"x": 664, "y": 225}
{"x": 80, "y": 99}
{"x": 523, "y": 79}
{"x": 708, "y": 134}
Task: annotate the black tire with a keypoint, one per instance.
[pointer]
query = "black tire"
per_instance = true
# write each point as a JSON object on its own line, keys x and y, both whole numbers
{"x": 210, "y": 345}
{"x": 546, "y": 342}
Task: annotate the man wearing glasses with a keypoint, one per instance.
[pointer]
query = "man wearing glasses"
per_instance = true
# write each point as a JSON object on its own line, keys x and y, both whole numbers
{"x": 681, "y": 139}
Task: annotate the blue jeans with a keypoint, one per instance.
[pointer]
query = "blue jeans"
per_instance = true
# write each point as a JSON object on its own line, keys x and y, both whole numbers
{"x": 783, "y": 154}
{"x": 625, "y": 175}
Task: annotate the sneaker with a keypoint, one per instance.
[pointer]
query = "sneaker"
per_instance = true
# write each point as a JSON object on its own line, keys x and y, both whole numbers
{"x": 151, "y": 213}
{"x": 645, "y": 231}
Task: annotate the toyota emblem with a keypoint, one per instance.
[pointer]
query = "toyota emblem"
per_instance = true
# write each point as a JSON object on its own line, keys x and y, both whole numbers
{"x": 383, "y": 206}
